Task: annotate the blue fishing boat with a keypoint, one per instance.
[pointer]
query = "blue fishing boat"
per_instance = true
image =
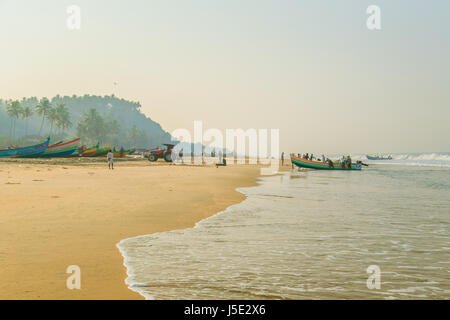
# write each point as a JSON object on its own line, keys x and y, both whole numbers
{"x": 25, "y": 152}
{"x": 378, "y": 158}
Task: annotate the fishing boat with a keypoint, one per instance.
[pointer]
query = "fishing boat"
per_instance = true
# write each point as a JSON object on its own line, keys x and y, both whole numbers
{"x": 309, "y": 164}
{"x": 378, "y": 158}
{"x": 102, "y": 151}
{"x": 123, "y": 153}
{"x": 59, "y": 150}
{"x": 25, "y": 152}
{"x": 90, "y": 152}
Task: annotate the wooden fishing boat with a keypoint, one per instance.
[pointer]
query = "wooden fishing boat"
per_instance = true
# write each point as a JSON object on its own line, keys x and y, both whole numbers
{"x": 25, "y": 152}
{"x": 90, "y": 152}
{"x": 378, "y": 158}
{"x": 58, "y": 150}
{"x": 102, "y": 151}
{"x": 303, "y": 163}
{"x": 122, "y": 154}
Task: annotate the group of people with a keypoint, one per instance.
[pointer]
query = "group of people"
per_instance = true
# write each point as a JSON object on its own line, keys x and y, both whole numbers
{"x": 345, "y": 161}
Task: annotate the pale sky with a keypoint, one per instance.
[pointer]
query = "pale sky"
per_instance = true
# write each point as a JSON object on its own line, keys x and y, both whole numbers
{"x": 309, "y": 68}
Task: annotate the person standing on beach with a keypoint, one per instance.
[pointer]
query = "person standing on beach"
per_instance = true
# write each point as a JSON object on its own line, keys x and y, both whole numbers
{"x": 220, "y": 157}
{"x": 110, "y": 158}
{"x": 282, "y": 158}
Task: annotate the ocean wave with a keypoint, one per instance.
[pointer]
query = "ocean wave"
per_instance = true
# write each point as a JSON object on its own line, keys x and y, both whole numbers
{"x": 415, "y": 159}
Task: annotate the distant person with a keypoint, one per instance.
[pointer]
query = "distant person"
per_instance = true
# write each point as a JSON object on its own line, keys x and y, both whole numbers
{"x": 282, "y": 158}
{"x": 349, "y": 162}
{"x": 343, "y": 162}
{"x": 323, "y": 159}
{"x": 180, "y": 155}
{"x": 312, "y": 158}
{"x": 110, "y": 158}
{"x": 222, "y": 161}
{"x": 330, "y": 163}
{"x": 307, "y": 156}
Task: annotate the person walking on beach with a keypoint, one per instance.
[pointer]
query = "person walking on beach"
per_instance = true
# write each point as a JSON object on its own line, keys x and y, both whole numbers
{"x": 282, "y": 158}
{"x": 110, "y": 158}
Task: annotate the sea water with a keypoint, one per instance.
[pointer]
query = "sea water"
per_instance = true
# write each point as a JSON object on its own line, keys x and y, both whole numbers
{"x": 310, "y": 235}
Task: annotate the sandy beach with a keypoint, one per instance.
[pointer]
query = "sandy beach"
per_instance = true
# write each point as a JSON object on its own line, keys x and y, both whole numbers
{"x": 54, "y": 214}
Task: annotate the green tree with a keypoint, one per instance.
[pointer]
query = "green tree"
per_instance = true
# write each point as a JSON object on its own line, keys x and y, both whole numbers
{"x": 62, "y": 115}
{"x": 42, "y": 109}
{"x": 135, "y": 136}
{"x": 52, "y": 117}
{"x": 92, "y": 127}
{"x": 27, "y": 113}
{"x": 14, "y": 111}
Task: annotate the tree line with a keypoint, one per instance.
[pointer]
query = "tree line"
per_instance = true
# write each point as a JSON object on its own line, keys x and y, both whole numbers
{"x": 104, "y": 120}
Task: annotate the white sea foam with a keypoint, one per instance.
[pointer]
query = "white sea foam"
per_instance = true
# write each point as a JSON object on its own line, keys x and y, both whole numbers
{"x": 413, "y": 159}
{"x": 302, "y": 238}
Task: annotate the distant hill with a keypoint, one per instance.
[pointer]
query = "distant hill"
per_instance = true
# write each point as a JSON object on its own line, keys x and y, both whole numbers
{"x": 125, "y": 124}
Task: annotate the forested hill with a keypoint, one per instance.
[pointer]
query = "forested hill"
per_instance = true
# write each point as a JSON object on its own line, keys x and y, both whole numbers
{"x": 104, "y": 119}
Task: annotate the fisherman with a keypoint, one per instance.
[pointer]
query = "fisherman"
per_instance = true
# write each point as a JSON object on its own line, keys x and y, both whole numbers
{"x": 349, "y": 162}
{"x": 222, "y": 161}
{"x": 180, "y": 155}
{"x": 110, "y": 158}
{"x": 330, "y": 163}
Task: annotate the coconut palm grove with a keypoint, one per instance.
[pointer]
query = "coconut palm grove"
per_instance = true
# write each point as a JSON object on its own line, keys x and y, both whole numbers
{"x": 106, "y": 120}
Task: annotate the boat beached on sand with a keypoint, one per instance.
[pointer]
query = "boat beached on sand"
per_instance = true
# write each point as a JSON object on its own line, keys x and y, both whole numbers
{"x": 309, "y": 164}
{"x": 25, "y": 152}
{"x": 58, "y": 150}
{"x": 90, "y": 152}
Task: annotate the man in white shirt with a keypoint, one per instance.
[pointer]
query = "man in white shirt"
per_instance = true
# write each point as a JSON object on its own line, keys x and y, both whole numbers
{"x": 110, "y": 158}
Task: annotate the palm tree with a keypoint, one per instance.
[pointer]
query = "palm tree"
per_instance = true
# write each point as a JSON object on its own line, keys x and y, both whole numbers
{"x": 52, "y": 117}
{"x": 14, "y": 111}
{"x": 134, "y": 135}
{"x": 62, "y": 117}
{"x": 92, "y": 127}
{"x": 26, "y": 114}
{"x": 42, "y": 109}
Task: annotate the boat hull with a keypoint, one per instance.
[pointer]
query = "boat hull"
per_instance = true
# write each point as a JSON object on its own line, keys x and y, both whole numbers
{"x": 101, "y": 152}
{"x": 25, "y": 152}
{"x": 61, "y": 150}
{"x": 377, "y": 158}
{"x": 308, "y": 164}
{"x": 61, "y": 154}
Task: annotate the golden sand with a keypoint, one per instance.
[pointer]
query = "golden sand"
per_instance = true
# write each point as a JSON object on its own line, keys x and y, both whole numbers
{"x": 54, "y": 214}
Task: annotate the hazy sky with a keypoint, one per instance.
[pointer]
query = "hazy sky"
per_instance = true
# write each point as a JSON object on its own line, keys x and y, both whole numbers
{"x": 310, "y": 68}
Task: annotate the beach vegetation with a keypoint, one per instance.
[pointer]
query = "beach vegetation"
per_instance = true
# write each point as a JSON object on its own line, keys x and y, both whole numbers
{"x": 118, "y": 122}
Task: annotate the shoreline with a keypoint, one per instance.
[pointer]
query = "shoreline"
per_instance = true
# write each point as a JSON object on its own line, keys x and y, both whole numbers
{"x": 190, "y": 195}
{"x": 129, "y": 269}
